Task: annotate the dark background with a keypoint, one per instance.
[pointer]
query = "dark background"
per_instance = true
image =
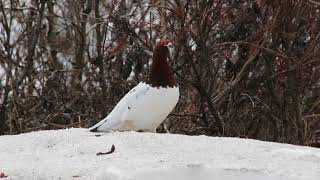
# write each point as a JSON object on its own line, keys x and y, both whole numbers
{"x": 245, "y": 68}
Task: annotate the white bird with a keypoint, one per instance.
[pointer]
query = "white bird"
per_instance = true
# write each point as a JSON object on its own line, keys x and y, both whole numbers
{"x": 147, "y": 105}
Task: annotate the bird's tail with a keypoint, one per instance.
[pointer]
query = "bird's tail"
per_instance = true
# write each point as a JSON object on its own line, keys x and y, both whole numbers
{"x": 95, "y": 128}
{"x": 104, "y": 125}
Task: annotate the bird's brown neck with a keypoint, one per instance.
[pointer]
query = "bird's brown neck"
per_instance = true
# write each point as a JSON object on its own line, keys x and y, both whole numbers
{"x": 160, "y": 74}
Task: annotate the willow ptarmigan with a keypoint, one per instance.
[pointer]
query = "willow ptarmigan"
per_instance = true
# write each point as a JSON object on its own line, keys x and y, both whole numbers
{"x": 147, "y": 105}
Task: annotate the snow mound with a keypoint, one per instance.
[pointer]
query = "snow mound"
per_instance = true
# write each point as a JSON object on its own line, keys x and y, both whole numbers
{"x": 71, "y": 154}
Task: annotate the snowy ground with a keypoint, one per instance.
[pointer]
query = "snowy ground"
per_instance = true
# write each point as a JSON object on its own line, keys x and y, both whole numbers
{"x": 71, "y": 154}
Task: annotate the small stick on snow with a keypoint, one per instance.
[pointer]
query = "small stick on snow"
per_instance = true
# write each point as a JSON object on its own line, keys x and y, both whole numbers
{"x": 113, "y": 148}
{"x": 2, "y": 175}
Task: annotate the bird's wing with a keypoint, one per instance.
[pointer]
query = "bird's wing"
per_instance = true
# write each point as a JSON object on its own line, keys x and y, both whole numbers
{"x": 122, "y": 110}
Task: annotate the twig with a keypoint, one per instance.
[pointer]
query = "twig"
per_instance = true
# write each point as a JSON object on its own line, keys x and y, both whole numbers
{"x": 113, "y": 148}
{"x": 312, "y": 115}
{"x": 2, "y": 175}
{"x": 314, "y": 2}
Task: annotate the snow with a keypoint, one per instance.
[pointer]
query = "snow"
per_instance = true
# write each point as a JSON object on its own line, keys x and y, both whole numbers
{"x": 71, "y": 154}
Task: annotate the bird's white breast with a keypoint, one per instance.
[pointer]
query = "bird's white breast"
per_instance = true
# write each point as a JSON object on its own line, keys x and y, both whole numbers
{"x": 142, "y": 108}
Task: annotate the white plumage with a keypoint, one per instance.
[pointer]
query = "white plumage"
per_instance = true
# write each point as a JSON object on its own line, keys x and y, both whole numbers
{"x": 142, "y": 108}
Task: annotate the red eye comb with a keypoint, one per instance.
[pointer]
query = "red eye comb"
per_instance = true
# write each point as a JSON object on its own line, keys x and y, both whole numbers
{"x": 164, "y": 42}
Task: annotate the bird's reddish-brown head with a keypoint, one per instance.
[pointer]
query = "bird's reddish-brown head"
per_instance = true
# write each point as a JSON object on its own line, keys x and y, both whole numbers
{"x": 160, "y": 74}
